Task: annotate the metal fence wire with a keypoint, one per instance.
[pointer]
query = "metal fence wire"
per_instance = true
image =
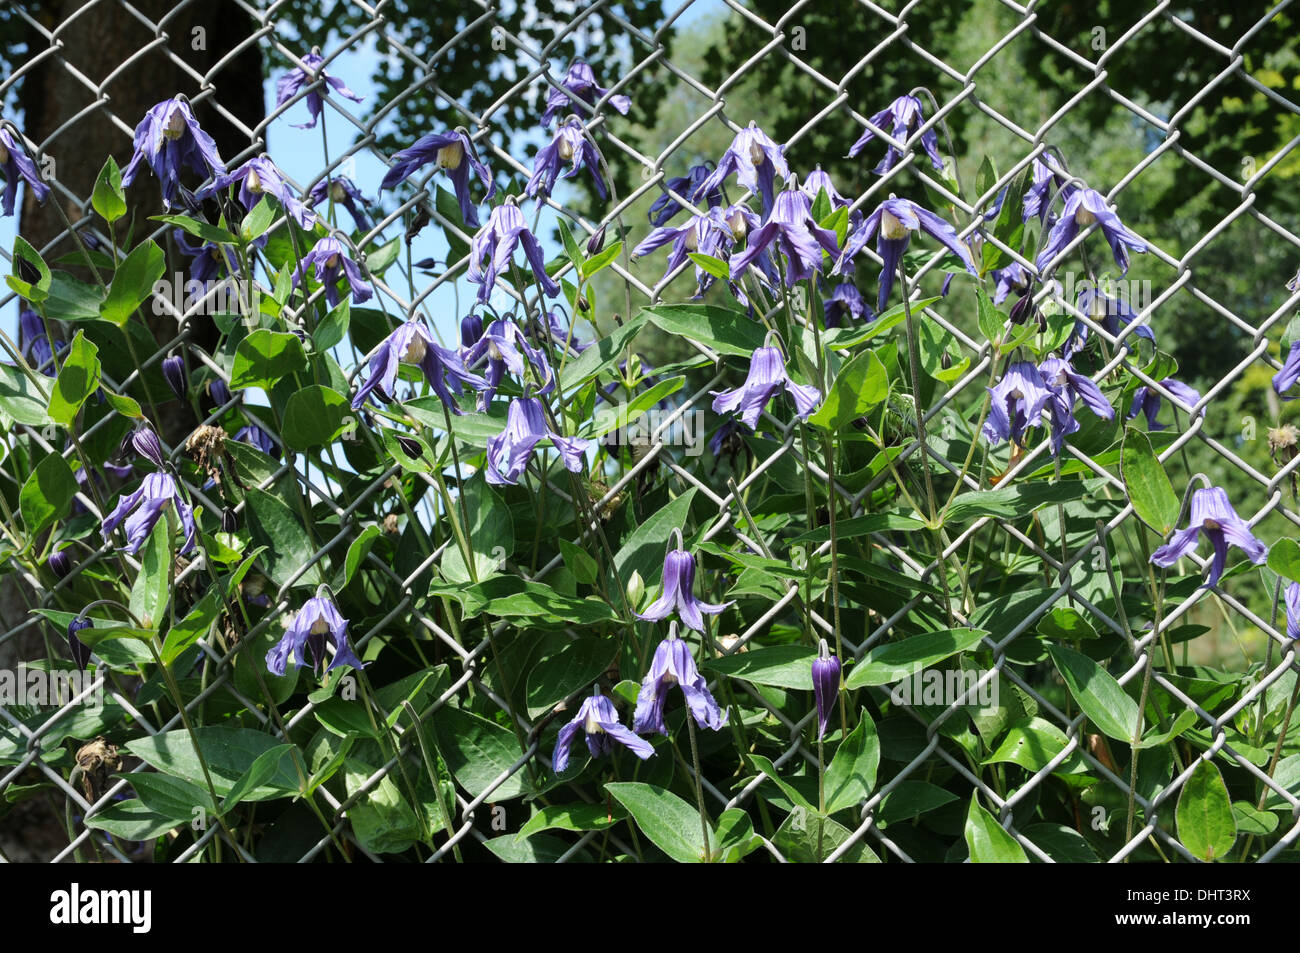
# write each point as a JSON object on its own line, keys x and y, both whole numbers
{"x": 65, "y": 763}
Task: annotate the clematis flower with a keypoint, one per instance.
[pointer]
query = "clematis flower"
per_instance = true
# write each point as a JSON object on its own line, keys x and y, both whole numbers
{"x": 1113, "y": 314}
{"x": 817, "y": 182}
{"x": 173, "y": 371}
{"x": 901, "y": 116}
{"x": 146, "y": 505}
{"x": 766, "y": 376}
{"x": 1284, "y": 379}
{"x": 497, "y": 240}
{"x": 665, "y": 207}
{"x": 411, "y": 343}
{"x": 599, "y": 721}
{"x": 318, "y": 622}
{"x": 168, "y": 140}
{"x": 342, "y": 191}
{"x": 729, "y": 438}
{"x": 678, "y": 593}
{"x": 326, "y": 259}
{"x": 1213, "y": 515}
{"x": 579, "y": 83}
{"x": 755, "y": 160}
{"x": 571, "y": 145}
{"x": 209, "y": 262}
{"x": 17, "y": 164}
{"x": 505, "y": 347}
{"x": 34, "y": 344}
{"x": 508, "y": 452}
{"x": 1294, "y": 284}
{"x": 292, "y": 82}
{"x": 707, "y": 234}
{"x": 80, "y": 651}
{"x": 1293, "y": 611}
{"x": 1017, "y": 402}
{"x": 1069, "y": 387}
{"x": 471, "y": 329}
{"x": 845, "y": 301}
{"x": 1147, "y": 400}
{"x": 1083, "y": 207}
{"x": 896, "y": 219}
{"x": 454, "y": 154}
{"x": 673, "y": 665}
{"x": 61, "y": 562}
{"x": 259, "y": 176}
{"x": 826, "y": 685}
{"x": 791, "y": 229}
{"x": 1015, "y": 277}
{"x": 145, "y": 442}
{"x": 1047, "y": 172}
{"x": 255, "y": 436}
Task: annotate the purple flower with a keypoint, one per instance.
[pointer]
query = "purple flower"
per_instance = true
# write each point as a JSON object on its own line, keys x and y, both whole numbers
{"x": 259, "y": 176}
{"x": 1113, "y": 314}
{"x": 255, "y": 436}
{"x": 80, "y": 651}
{"x": 1283, "y": 380}
{"x": 1213, "y": 515}
{"x": 826, "y": 685}
{"x": 342, "y": 191}
{"x": 34, "y": 344}
{"x": 1014, "y": 277}
{"x": 1069, "y": 386}
{"x": 1047, "y": 173}
{"x": 508, "y": 452}
{"x": 766, "y": 376}
{"x": 145, "y": 442}
{"x": 1294, "y": 284}
{"x": 580, "y": 83}
{"x": 755, "y": 160}
{"x": 60, "y": 562}
{"x": 1017, "y": 401}
{"x": 173, "y": 371}
{"x": 673, "y": 665}
{"x": 570, "y": 145}
{"x": 16, "y": 165}
{"x": 599, "y": 720}
{"x": 316, "y": 623}
{"x": 411, "y": 343}
{"x": 845, "y": 301}
{"x": 790, "y": 227}
{"x": 729, "y": 437}
{"x": 307, "y": 74}
{"x": 497, "y": 240}
{"x": 169, "y": 139}
{"x": 1147, "y": 400}
{"x": 901, "y": 116}
{"x": 206, "y": 260}
{"x": 679, "y": 592}
{"x": 709, "y": 234}
{"x": 454, "y": 153}
{"x": 1293, "y": 611}
{"x": 505, "y": 347}
{"x": 145, "y": 506}
{"x": 326, "y": 259}
{"x": 665, "y": 207}
{"x": 471, "y": 329}
{"x": 817, "y": 182}
{"x": 1083, "y": 207}
{"x": 896, "y": 219}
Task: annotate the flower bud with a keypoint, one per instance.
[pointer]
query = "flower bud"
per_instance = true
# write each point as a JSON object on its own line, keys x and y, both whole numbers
{"x": 471, "y": 329}
{"x": 229, "y": 520}
{"x": 826, "y": 685}
{"x": 173, "y": 371}
{"x": 410, "y": 447}
{"x": 80, "y": 652}
{"x": 60, "y": 563}
{"x": 596, "y": 242}
{"x": 635, "y": 589}
{"x": 145, "y": 442}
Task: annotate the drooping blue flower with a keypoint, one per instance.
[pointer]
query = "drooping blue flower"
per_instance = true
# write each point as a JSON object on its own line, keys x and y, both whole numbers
{"x": 845, "y": 301}
{"x": 327, "y": 260}
{"x": 16, "y": 164}
{"x": 826, "y": 685}
{"x": 209, "y": 262}
{"x": 678, "y": 594}
{"x": 755, "y": 160}
{"x": 817, "y": 182}
{"x": 598, "y": 720}
{"x": 1113, "y": 314}
{"x": 471, "y": 329}
{"x": 255, "y": 436}
{"x": 1083, "y": 207}
{"x": 317, "y": 623}
{"x": 411, "y": 343}
{"x": 791, "y": 230}
{"x": 292, "y": 82}
{"x": 342, "y": 191}
{"x": 707, "y": 234}
{"x": 728, "y": 437}
{"x": 34, "y": 343}
{"x": 579, "y": 83}
{"x": 572, "y": 146}
{"x": 1293, "y": 611}
{"x": 145, "y": 507}
{"x": 896, "y": 219}
{"x": 508, "y": 452}
{"x": 1047, "y": 173}
{"x": 260, "y": 176}
{"x": 1148, "y": 400}
{"x": 454, "y": 154}
{"x": 60, "y": 562}
{"x": 673, "y": 665}
{"x": 497, "y": 241}
{"x": 1016, "y": 403}
{"x": 665, "y": 207}
{"x": 1013, "y": 278}
{"x": 1068, "y": 387}
{"x": 1213, "y": 515}
{"x": 1283, "y": 380}
{"x": 900, "y": 117}
{"x": 766, "y": 376}
{"x": 504, "y": 347}
{"x": 168, "y": 140}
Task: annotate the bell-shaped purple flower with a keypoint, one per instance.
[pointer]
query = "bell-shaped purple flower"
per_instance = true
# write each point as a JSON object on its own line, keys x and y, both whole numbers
{"x": 471, "y": 329}
{"x": 579, "y": 83}
{"x": 665, "y": 207}
{"x": 327, "y": 259}
{"x": 318, "y": 622}
{"x": 255, "y": 436}
{"x": 1068, "y": 387}
{"x": 791, "y": 230}
{"x": 1293, "y": 611}
{"x": 145, "y": 442}
{"x": 168, "y": 140}
{"x": 598, "y": 720}
{"x": 209, "y": 261}
{"x": 826, "y": 685}
{"x": 34, "y": 344}
{"x": 1047, "y": 174}
{"x": 260, "y": 176}
{"x": 60, "y": 562}
{"x": 1213, "y": 515}
{"x": 17, "y": 164}
{"x": 707, "y": 234}
{"x": 673, "y": 665}
{"x": 766, "y": 376}
{"x": 845, "y": 301}
{"x": 1083, "y": 207}
{"x": 143, "y": 508}
{"x": 454, "y": 154}
{"x": 900, "y": 117}
{"x": 755, "y": 160}
{"x": 678, "y": 593}
{"x": 508, "y": 452}
{"x": 505, "y": 347}
{"x": 342, "y": 191}
{"x": 818, "y": 182}
{"x": 1286, "y": 378}
{"x": 497, "y": 241}
{"x": 292, "y": 82}
{"x": 569, "y": 146}
{"x": 1147, "y": 400}
{"x": 411, "y": 343}
{"x": 1016, "y": 403}
{"x": 1113, "y": 314}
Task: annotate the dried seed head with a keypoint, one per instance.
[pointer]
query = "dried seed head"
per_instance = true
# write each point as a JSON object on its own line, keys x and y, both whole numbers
{"x": 1282, "y": 438}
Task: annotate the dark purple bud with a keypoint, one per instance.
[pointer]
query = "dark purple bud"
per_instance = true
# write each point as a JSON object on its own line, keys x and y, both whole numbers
{"x": 27, "y": 271}
{"x": 411, "y": 447}
{"x": 596, "y": 242}
{"x": 173, "y": 370}
{"x": 826, "y": 685}
{"x": 426, "y": 264}
{"x": 229, "y": 520}
{"x": 146, "y": 443}
{"x": 80, "y": 651}
{"x": 219, "y": 392}
{"x": 1022, "y": 309}
{"x": 60, "y": 563}
{"x": 471, "y": 329}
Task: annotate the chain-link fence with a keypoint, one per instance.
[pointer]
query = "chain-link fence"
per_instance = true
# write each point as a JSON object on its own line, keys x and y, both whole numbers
{"x": 345, "y": 771}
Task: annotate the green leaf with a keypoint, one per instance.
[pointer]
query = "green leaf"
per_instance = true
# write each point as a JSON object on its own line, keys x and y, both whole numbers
{"x": 987, "y": 841}
{"x": 478, "y": 751}
{"x": 74, "y": 300}
{"x": 266, "y": 766}
{"x": 860, "y": 385}
{"x": 491, "y": 534}
{"x": 911, "y": 799}
{"x": 1284, "y": 558}
{"x": 721, "y": 329}
{"x": 150, "y": 591}
{"x": 896, "y": 661}
{"x": 510, "y": 597}
{"x": 569, "y": 670}
{"x": 358, "y": 550}
{"x": 314, "y": 417}
{"x": 783, "y": 666}
{"x": 1149, "y": 489}
{"x": 381, "y": 820}
{"x": 851, "y": 776}
{"x": 378, "y": 261}
{"x": 1100, "y": 697}
{"x": 78, "y": 379}
{"x": 209, "y": 233}
{"x": 133, "y": 282}
{"x": 1250, "y": 820}
{"x": 806, "y": 837}
{"x": 229, "y": 752}
{"x": 643, "y": 552}
{"x": 21, "y": 400}
{"x": 264, "y": 357}
{"x": 572, "y": 817}
{"x": 569, "y": 242}
{"x": 1204, "y": 816}
{"x": 585, "y": 569}
{"x": 714, "y": 266}
{"x": 624, "y": 414}
{"x": 603, "y": 355}
{"x": 257, "y": 221}
{"x": 196, "y": 624}
{"x": 933, "y": 344}
{"x": 1066, "y": 624}
{"x": 599, "y": 262}
{"x": 278, "y": 528}
{"x": 670, "y": 823}
{"x": 334, "y": 328}
{"x": 735, "y": 837}
{"x": 35, "y": 293}
{"x": 132, "y": 821}
{"x": 172, "y": 797}
{"x": 46, "y": 494}
{"x": 124, "y": 405}
{"x": 108, "y": 199}
{"x": 1032, "y": 744}
{"x": 1011, "y": 501}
